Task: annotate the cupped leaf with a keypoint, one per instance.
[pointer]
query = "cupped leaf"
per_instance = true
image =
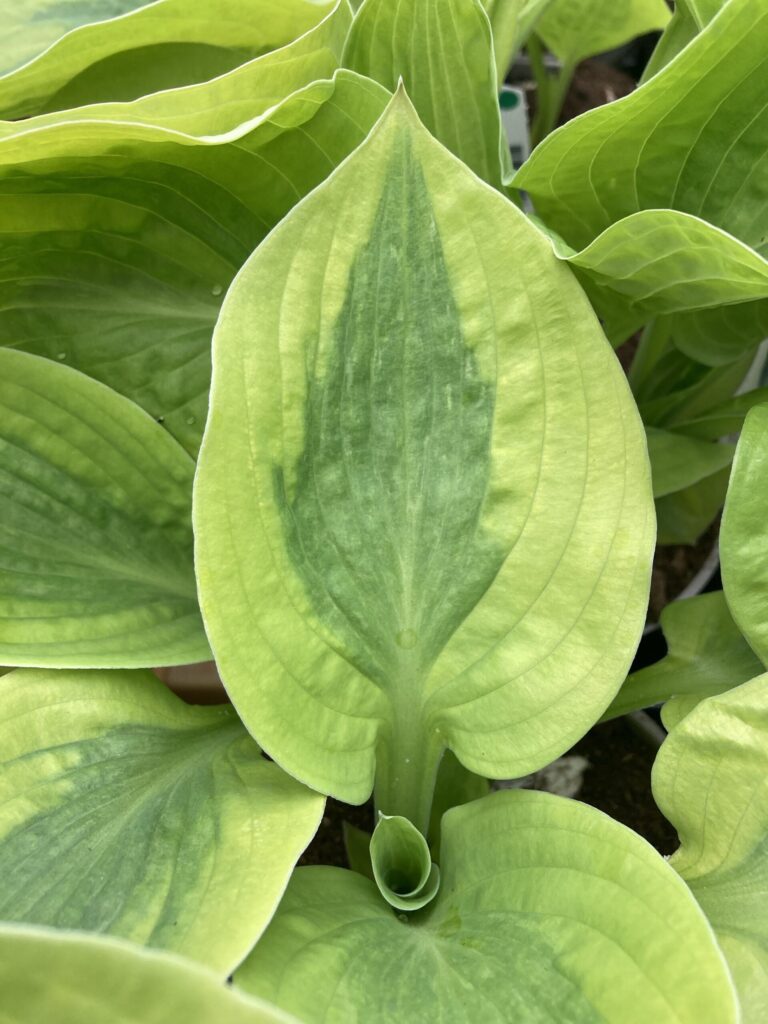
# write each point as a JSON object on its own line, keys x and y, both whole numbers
{"x": 124, "y": 810}
{"x": 512, "y": 21}
{"x": 575, "y": 29}
{"x": 402, "y": 864}
{"x": 63, "y": 978}
{"x": 120, "y": 239}
{"x": 711, "y": 780}
{"x": 657, "y": 262}
{"x": 454, "y": 529}
{"x": 744, "y": 533}
{"x": 31, "y": 26}
{"x": 547, "y": 911}
{"x": 159, "y": 46}
{"x": 653, "y": 149}
{"x": 678, "y": 461}
{"x": 443, "y": 52}
{"x": 242, "y": 97}
{"x": 96, "y": 537}
{"x": 707, "y": 655}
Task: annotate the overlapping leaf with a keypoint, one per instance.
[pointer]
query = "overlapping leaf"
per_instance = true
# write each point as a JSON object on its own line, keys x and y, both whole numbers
{"x": 435, "y": 529}
{"x": 443, "y": 51}
{"x": 96, "y": 537}
{"x": 744, "y": 533}
{"x": 707, "y": 655}
{"x": 124, "y": 810}
{"x": 653, "y": 150}
{"x": 162, "y": 45}
{"x": 120, "y": 239}
{"x": 711, "y": 780}
{"x": 575, "y": 29}
{"x": 548, "y": 911}
{"x": 65, "y": 978}
{"x": 31, "y": 26}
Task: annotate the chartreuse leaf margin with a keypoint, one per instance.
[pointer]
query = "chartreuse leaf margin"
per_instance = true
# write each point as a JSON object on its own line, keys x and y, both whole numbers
{"x": 547, "y": 911}
{"x": 96, "y": 535}
{"x": 31, "y": 26}
{"x": 711, "y": 780}
{"x": 124, "y": 810}
{"x": 652, "y": 152}
{"x": 164, "y": 45}
{"x": 67, "y": 978}
{"x": 120, "y": 237}
{"x": 434, "y": 529}
{"x": 744, "y": 533}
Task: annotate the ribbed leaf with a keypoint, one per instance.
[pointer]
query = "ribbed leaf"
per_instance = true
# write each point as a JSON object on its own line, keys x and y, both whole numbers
{"x": 548, "y": 912}
{"x": 161, "y": 45}
{"x": 575, "y": 29}
{"x": 711, "y": 780}
{"x": 454, "y": 528}
{"x": 31, "y": 26}
{"x": 707, "y": 655}
{"x": 124, "y": 810}
{"x": 96, "y": 538}
{"x": 63, "y": 978}
{"x": 120, "y": 239}
{"x": 744, "y": 533}
{"x": 443, "y": 51}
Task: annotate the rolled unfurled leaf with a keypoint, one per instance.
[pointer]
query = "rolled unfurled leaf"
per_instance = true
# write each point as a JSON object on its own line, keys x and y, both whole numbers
{"x": 402, "y": 865}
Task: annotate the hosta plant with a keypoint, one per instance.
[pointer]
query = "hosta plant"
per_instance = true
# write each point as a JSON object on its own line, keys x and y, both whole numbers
{"x": 292, "y": 378}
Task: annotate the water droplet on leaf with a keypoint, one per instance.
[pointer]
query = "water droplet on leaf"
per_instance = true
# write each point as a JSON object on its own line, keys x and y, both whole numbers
{"x": 61, "y": 356}
{"x": 217, "y": 289}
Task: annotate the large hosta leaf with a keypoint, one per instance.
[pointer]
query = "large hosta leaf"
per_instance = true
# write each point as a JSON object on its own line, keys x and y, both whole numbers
{"x": 548, "y": 911}
{"x": 574, "y": 29}
{"x": 744, "y": 533}
{"x": 63, "y": 978}
{"x": 707, "y": 655}
{"x": 162, "y": 45}
{"x": 653, "y": 150}
{"x": 119, "y": 240}
{"x": 124, "y": 810}
{"x": 443, "y": 51}
{"x": 434, "y": 528}
{"x": 30, "y": 26}
{"x": 658, "y": 262}
{"x": 711, "y": 780}
{"x": 96, "y": 538}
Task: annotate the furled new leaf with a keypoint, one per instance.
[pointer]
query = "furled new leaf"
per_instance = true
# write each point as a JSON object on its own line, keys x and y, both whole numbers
{"x": 120, "y": 239}
{"x": 65, "y": 978}
{"x": 159, "y": 46}
{"x": 744, "y": 533}
{"x": 402, "y": 864}
{"x": 443, "y": 52}
{"x": 707, "y": 655}
{"x": 96, "y": 537}
{"x": 31, "y": 26}
{"x": 548, "y": 911}
{"x": 124, "y": 810}
{"x": 434, "y": 529}
{"x": 711, "y": 780}
{"x": 575, "y": 29}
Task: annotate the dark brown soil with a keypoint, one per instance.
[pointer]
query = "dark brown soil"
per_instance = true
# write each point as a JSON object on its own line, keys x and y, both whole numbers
{"x": 617, "y": 781}
{"x": 594, "y": 84}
